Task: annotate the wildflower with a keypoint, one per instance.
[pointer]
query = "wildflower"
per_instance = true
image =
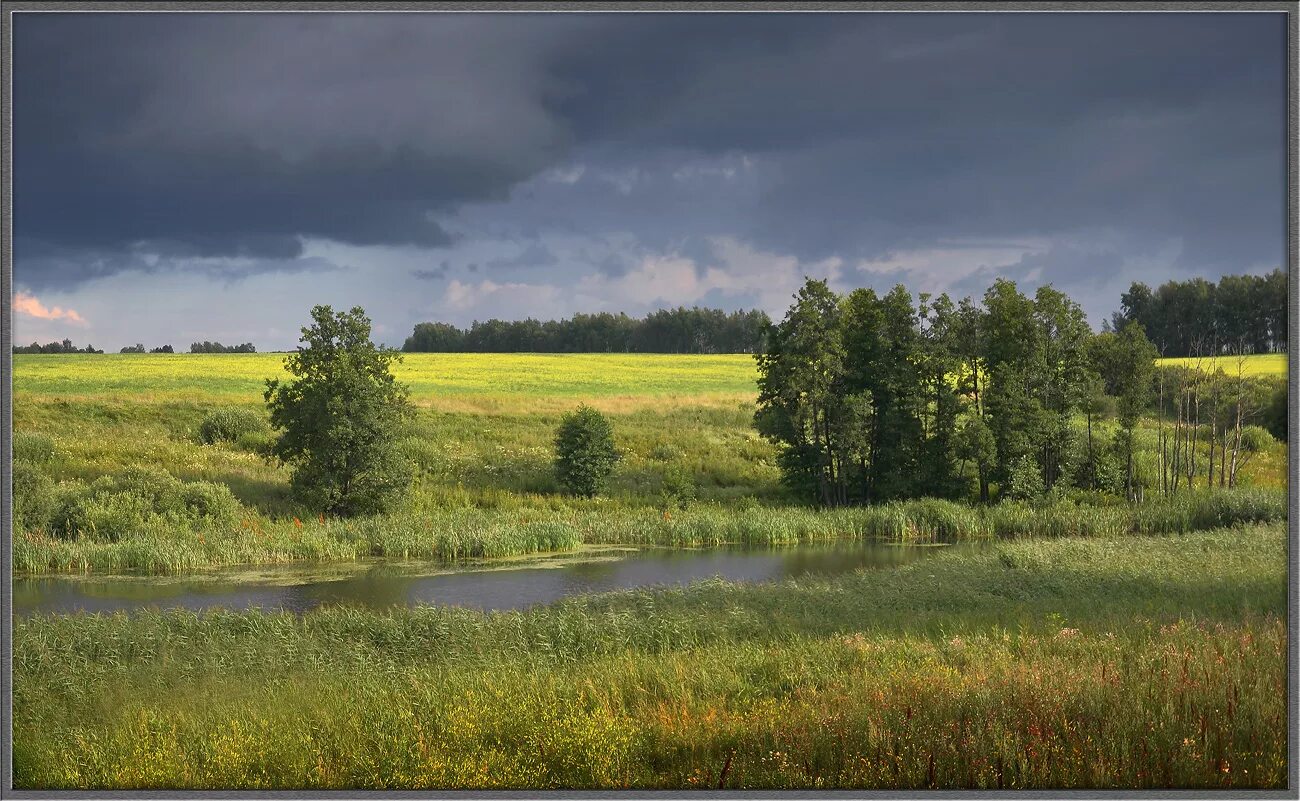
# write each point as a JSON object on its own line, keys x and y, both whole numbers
{"x": 1065, "y": 634}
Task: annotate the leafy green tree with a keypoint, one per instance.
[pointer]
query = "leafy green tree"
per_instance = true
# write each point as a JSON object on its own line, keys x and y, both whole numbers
{"x": 1066, "y": 380}
{"x": 800, "y": 374}
{"x": 1013, "y": 399}
{"x": 1024, "y": 480}
{"x": 584, "y": 451}
{"x": 340, "y": 420}
{"x": 975, "y": 444}
{"x": 1135, "y": 362}
{"x": 940, "y": 366}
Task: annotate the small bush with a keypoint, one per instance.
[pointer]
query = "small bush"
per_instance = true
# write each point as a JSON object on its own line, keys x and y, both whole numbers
{"x": 231, "y": 423}
{"x": 584, "y": 451}
{"x": 36, "y": 449}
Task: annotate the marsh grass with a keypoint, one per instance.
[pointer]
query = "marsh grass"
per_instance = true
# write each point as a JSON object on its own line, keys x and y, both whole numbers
{"x": 440, "y": 533}
{"x": 1085, "y": 663}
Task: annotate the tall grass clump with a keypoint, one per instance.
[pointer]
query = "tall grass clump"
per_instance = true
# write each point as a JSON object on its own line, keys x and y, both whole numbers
{"x": 33, "y": 447}
{"x": 230, "y": 424}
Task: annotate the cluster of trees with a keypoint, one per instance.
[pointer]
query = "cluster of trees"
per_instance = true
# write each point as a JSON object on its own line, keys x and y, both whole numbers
{"x": 873, "y": 398}
{"x": 680, "y": 330}
{"x": 65, "y": 346}
{"x": 1240, "y": 314}
{"x": 138, "y": 348}
{"x": 1202, "y": 425}
{"x": 217, "y": 347}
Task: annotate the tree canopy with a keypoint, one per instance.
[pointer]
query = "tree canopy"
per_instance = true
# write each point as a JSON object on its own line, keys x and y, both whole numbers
{"x": 339, "y": 421}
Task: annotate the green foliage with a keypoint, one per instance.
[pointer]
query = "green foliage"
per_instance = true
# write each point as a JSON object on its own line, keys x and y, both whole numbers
{"x": 1255, "y": 439}
{"x": 33, "y": 448}
{"x": 679, "y": 330}
{"x": 1184, "y": 318}
{"x": 1275, "y": 410}
{"x": 1024, "y": 481}
{"x": 678, "y": 489}
{"x": 340, "y": 421}
{"x": 115, "y": 507}
{"x": 229, "y": 424}
{"x": 584, "y": 451}
{"x": 33, "y": 497}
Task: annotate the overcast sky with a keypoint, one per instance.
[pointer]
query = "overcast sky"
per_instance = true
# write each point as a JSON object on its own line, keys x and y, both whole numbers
{"x": 180, "y": 177}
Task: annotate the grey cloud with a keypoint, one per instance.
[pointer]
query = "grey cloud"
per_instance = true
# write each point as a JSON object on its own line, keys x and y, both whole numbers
{"x": 202, "y": 135}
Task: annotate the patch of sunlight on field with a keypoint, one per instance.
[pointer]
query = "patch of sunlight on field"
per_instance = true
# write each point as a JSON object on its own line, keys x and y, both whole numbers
{"x": 1261, "y": 364}
{"x": 486, "y": 382}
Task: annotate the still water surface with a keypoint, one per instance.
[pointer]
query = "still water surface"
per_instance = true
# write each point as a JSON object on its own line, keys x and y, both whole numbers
{"x": 513, "y": 584}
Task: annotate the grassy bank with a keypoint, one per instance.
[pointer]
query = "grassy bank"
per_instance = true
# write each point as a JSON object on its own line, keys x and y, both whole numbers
{"x": 443, "y": 532}
{"x": 482, "y": 444}
{"x": 1104, "y": 662}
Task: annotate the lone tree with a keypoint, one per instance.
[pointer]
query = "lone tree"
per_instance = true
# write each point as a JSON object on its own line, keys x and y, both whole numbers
{"x": 339, "y": 420}
{"x": 584, "y": 451}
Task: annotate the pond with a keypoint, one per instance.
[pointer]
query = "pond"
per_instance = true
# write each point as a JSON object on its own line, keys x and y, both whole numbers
{"x": 498, "y": 585}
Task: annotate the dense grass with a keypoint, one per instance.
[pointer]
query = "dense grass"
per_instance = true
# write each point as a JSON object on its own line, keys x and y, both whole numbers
{"x": 449, "y": 534}
{"x": 1106, "y": 662}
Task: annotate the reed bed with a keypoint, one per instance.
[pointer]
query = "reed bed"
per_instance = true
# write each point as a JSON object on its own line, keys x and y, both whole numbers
{"x": 1074, "y": 663}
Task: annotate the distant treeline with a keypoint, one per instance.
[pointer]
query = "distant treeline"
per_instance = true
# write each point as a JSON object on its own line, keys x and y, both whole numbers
{"x": 217, "y": 347}
{"x": 1242, "y": 313}
{"x": 679, "y": 330}
{"x": 65, "y": 346}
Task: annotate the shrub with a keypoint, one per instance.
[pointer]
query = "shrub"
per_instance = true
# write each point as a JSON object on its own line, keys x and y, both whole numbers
{"x": 36, "y": 449}
{"x": 1255, "y": 439}
{"x": 584, "y": 451}
{"x": 229, "y": 424}
{"x": 678, "y": 489}
{"x": 113, "y": 507}
{"x": 1025, "y": 482}
{"x": 33, "y": 497}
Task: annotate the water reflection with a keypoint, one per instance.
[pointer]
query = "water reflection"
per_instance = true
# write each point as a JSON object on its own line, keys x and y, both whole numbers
{"x": 493, "y": 587}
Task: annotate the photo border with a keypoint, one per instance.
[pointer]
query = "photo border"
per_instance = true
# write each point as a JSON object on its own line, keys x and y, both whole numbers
{"x": 9, "y": 9}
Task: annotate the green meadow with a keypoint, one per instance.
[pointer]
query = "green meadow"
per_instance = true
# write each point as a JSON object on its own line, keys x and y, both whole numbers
{"x": 1083, "y": 644}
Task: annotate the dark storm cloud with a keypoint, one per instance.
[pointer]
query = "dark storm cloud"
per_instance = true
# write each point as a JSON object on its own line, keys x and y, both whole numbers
{"x": 240, "y": 135}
